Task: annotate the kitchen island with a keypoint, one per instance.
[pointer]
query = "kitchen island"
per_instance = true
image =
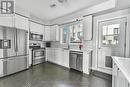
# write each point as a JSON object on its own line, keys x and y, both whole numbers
{"x": 121, "y": 72}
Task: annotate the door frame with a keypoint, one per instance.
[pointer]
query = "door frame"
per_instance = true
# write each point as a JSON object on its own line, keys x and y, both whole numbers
{"x": 127, "y": 50}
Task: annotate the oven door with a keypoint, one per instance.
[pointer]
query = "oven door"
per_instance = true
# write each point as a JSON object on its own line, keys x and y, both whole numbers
{"x": 39, "y": 53}
{"x": 38, "y": 56}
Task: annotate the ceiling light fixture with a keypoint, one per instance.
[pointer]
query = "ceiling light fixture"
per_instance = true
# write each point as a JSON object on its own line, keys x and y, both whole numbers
{"x": 53, "y": 5}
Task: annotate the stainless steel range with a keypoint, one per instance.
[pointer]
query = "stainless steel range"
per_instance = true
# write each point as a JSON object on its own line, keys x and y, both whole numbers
{"x": 38, "y": 53}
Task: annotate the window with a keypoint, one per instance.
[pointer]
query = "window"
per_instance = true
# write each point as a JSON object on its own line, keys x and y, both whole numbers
{"x": 72, "y": 33}
{"x": 76, "y": 33}
{"x": 110, "y": 34}
{"x": 65, "y": 34}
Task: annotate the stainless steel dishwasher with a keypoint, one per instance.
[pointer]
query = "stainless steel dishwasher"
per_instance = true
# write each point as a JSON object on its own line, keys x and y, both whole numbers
{"x": 76, "y": 60}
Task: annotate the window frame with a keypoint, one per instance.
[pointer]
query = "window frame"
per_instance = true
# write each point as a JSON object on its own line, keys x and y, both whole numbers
{"x": 68, "y": 35}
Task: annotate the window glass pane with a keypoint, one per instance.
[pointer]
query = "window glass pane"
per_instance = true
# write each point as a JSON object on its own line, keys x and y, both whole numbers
{"x": 76, "y": 33}
{"x": 110, "y": 34}
{"x": 65, "y": 34}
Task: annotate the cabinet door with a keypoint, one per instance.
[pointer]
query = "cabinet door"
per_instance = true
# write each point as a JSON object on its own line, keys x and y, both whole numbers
{"x": 87, "y": 27}
{"x": 30, "y": 57}
{"x": 118, "y": 79}
{"x": 36, "y": 28}
{"x": 52, "y": 33}
{"x": 6, "y": 20}
{"x": 57, "y": 33}
{"x": 48, "y": 54}
{"x": 47, "y": 33}
{"x": 21, "y": 22}
{"x": 1, "y": 67}
{"x": 65, "y": 58}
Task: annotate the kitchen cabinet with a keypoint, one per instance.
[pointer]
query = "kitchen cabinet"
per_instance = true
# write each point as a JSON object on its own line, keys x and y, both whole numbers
{"x": 65, "y": 58}
{"x": 58, "y": 56}
{"x": 48, "y": 54}
{"x": 21, "y": 22}
{"x": 6, "y": 20}
{"x": 30, "y": 57}
{"x": 118, "y": 79}
{"x": 87, "y": 28}
{"x": 14, "y": 20}
{"x": 1, "y": 67}
{"x": 47, "y": 33}
{"x": 87, "y": 61}
{"x": 36, "y": 28}
{"x": 54, "y": 33}
{"x": 54, "y": 55}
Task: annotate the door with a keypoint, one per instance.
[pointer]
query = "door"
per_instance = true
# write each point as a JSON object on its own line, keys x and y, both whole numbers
{"x": 111, "y": 41}
{"x": 10, "y": 34}
{"x": 21, "y": 42}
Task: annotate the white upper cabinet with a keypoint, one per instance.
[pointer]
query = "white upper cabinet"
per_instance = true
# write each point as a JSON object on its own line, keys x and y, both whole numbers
{"x": 21, "y": 22}
{"x": 6, "y": 20}
{"x": 54, "y": 33}
{"x": 36, "y": 28}
{"x": 87, "y": 27}
{"x": 47, "y": 33}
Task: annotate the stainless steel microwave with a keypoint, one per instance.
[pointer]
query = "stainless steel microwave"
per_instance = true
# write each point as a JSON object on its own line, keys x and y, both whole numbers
{"x": 37, "y": 37}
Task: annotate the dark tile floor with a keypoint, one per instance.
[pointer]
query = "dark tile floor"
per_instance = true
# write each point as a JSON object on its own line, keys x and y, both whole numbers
{"x": 51, "y": 75}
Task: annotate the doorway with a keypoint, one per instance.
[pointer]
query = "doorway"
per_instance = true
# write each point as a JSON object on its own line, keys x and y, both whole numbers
{"x": 112, "y": 41}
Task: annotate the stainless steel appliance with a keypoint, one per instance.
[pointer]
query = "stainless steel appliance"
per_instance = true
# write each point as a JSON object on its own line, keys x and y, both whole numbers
{"x": 38, "y": 53}
{"x": 36, "y": 37}
{"x": 76, "y": 60}
{"x": 13, "y": 50}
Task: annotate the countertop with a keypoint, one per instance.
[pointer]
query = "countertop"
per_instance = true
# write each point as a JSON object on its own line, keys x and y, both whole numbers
{"x": 124, "y": 65}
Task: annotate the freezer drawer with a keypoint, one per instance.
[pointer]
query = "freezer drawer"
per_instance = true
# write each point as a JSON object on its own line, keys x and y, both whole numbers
{"x": 16, "y": 64}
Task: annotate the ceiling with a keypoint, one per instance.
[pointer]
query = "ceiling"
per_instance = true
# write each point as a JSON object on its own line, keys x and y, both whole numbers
{"x": 42, "y": 9}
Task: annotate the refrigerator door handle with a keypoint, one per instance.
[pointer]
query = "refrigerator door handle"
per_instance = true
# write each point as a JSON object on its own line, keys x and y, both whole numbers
{"x": 15, "y": 40}
{"x": 14, "y": 43}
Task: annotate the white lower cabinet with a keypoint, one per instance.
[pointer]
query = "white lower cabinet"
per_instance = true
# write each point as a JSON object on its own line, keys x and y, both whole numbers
{"x": 118, "y": 79}
{"x": 30, "y": 57}
{"x": 87, "y": 60}
{"x": 65, "y": 58}
{"x": 1, "y": 67}
{"x": 58, "y": 56}
{"x": 48, "y": 54}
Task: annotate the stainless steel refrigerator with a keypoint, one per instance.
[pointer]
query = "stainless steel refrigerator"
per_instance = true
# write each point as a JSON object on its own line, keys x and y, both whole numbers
{"x": 13, "y": 50}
